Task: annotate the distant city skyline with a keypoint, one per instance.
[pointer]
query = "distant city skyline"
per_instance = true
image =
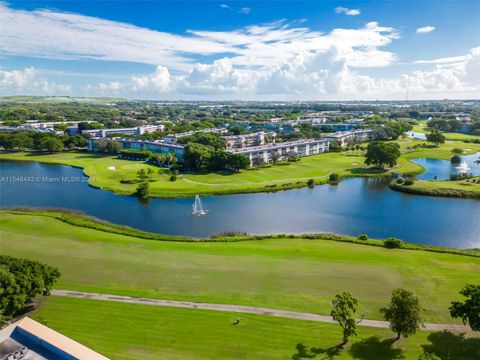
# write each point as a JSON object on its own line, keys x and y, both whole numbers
{"x": 257, "y": 50}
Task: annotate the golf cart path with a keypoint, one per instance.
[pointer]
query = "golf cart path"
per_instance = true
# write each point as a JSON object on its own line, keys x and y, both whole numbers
{"x": 237, "y": 309}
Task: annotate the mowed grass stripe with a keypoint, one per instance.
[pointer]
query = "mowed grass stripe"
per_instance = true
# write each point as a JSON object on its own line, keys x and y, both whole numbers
{"x": 291, "y": 274}
{"x": 129, "y": 331}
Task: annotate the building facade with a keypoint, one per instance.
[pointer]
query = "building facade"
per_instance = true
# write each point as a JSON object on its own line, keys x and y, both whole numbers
{"x": 157, "y": 146}
{"x": 248, "y": 140}
{"x": 344, "y": 137}
{"x": 303, "y": 147}
{"x": 139, "y": 130}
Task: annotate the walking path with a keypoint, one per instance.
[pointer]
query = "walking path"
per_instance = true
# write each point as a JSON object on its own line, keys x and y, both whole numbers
{"x": 239, "y": 309}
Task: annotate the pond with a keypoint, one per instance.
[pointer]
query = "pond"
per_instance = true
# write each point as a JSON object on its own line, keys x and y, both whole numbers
{"x": 442, "y": 169}
{"x": 353, "y": 207}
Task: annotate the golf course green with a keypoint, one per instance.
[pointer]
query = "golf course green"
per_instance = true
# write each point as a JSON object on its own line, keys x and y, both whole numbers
{"x": 300, "y": 274}
{"x": 113, "y": 174}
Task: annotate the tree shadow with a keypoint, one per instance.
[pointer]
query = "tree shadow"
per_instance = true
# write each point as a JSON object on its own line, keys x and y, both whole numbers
{"x": 305, "y": 353}
{"x": 448, "y": 345}
{"x": 375, "y": 348}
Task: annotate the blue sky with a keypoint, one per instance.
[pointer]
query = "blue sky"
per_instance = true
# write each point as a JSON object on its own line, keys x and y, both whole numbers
{"x": 323, "y": 50}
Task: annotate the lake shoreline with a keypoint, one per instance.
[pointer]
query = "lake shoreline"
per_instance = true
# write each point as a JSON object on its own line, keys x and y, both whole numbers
{"x": 79, "y": 219}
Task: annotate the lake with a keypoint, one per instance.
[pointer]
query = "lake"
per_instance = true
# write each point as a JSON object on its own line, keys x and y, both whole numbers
{"x": 353, "y": 207}
{"x": 444, "y": 168}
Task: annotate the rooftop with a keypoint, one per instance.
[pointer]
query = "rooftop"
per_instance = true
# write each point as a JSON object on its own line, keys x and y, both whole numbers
{"x": 27, "y": 339}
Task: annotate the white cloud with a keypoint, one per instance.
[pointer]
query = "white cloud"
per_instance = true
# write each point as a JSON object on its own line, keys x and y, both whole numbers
{"x": 26, "y": 80}
{"x": 66, "y": 36}
{"x": 347, "y": 11}
{"x": 425, "y": 29}
{"x": 158, "y": 81}
{"x": 17, "y": 78}
{"x": 245, "y": 10}
{"x": 224, "y": 6}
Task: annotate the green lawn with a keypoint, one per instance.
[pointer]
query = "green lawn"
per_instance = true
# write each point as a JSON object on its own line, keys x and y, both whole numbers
{"x": 294, "y": 274}
{"x": 107, "y": 172}
{"x": 128, "y": 331}
{"x": 422, "y": 127}
{"x": 458, "y": 188}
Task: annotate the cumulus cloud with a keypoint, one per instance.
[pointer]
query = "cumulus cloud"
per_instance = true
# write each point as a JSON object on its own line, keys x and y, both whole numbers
{"x": 26, "y": 80}
{"x": 425, "y": 29}
{"x": 17, "y": 78}
{"x": 347, "y": 11}
{"x": 158, "y": 81}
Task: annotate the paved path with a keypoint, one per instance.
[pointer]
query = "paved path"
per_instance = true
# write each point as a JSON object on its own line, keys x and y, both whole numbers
{"x": 237, "y": 308}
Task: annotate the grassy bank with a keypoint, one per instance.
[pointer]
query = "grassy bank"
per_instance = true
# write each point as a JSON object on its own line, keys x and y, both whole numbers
{"x": 110, "y": 173}
{"x": 127, "y": 331}
{"x": 454, "y": 189}
{"x": 299, "y": 274}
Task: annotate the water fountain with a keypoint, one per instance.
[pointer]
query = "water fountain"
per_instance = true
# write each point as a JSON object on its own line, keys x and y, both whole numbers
{"x": 463, "y": 168}
{"x": 198, "y": 209}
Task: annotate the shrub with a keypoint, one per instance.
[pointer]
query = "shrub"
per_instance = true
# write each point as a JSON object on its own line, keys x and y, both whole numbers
{"x": 428, "y": 356}
{"x": 143, "y": 190}
{"x": 400, "y": 181}
{"x": 311, "y": 183}
{"x": 362, "y": 237}
{"x": 455, "y": 159}
{"x": 173, "y": 177}
{"x": 408, "y": 182}
{"x": 334, "y": 178}
{"x": 392, "y": 243}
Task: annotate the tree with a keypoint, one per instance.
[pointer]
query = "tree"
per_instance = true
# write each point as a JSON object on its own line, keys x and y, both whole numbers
{"x": 258, "y": 161}
{"x": 404, "y": 312}
{"x": 275, "y": 156}
{"x": 51, "y": 144}
{"x": 143, "y": 190}
{"x": 21, "y": 280}
{"x": 436, "y": 137}
{"x": 292, "y": 156}
{"x": 142, "y": 174}
{"x": 469, "y": 310}
{"x": 196, "y": 156}
{"x": 344, "y": 308}
{"x": 381, "y": 153}
{"x": 113, "y": 147}
{"x": 334, "y": 146}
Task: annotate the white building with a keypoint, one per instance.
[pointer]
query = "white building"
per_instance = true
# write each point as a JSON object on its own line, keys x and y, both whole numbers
{"x": 303, "y": 147}
{"x": 247, "y": 140}
{"x": 139, "y": 130}
{"x": 172, "y": 138}
{"x": 343, "y": 137}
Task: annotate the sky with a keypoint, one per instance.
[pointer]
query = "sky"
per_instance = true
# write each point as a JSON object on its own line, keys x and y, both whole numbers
{"x": 239, "y": 50}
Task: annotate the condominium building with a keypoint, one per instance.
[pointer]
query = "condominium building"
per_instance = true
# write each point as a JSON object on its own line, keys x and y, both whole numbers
{"x": 248, "y": 140}
{"x": 139, "y": 130}
{"x": 303, "y": 147}
{"x": 172, "y": 138}
{"x": 343, "y": 137}
{"x": 157, "y": 146}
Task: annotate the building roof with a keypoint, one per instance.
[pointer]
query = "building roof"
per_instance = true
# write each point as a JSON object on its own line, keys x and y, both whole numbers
{"x": 250, "y": 149}
{"x": 36, "y": 342}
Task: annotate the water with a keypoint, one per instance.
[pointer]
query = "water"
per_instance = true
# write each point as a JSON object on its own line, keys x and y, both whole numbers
{"x": 444, "y": 168}
{"x": 353, "y": 207}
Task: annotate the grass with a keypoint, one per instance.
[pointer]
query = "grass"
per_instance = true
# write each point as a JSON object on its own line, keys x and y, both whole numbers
{"x": 457, "y": 188}
{"x": 281, "y": 176}
{"x": 128, "y": 331}
{"x": 295, "y": 274}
